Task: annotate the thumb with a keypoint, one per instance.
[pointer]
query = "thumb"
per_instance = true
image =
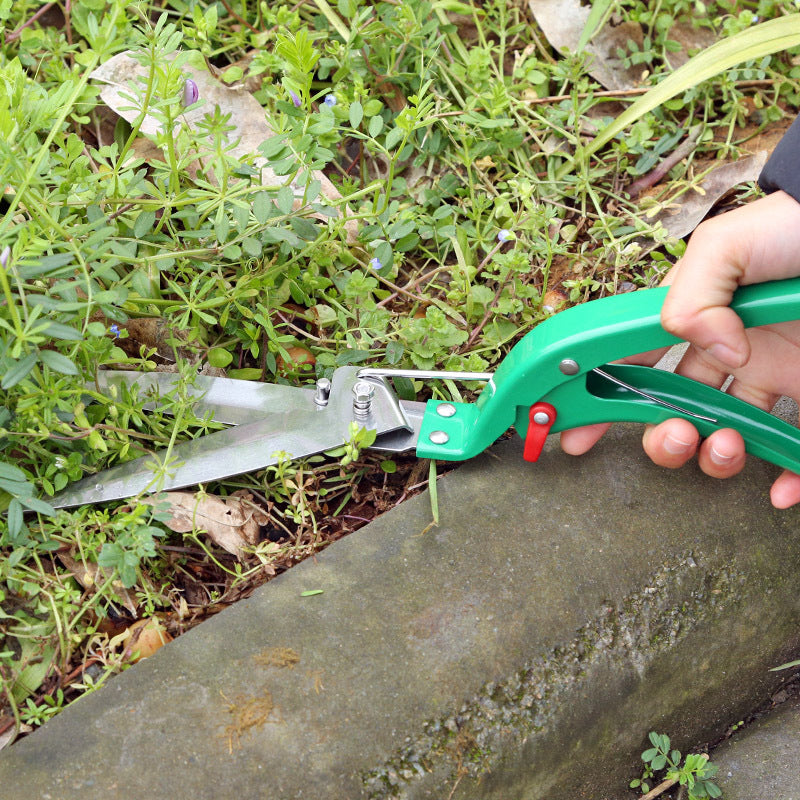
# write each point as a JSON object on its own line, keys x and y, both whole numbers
{"x": 717, "y": 330}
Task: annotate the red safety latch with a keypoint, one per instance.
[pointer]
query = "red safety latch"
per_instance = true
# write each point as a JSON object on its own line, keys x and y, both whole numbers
{"x": 541, "y": 419}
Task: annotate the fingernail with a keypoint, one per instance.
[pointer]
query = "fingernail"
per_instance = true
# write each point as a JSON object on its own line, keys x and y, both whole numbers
{"x": 675, "y": 446}
{"x": 718, "y": 458}
{"x": 727, "y": 355}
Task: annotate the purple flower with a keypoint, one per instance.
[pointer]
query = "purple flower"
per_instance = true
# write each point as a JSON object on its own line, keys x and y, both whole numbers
{"x": 375, "y": 263}
{"x": 4, "y": 256}
{"x": 295, "y": 99}
{"x": 191, "y": 94}
{"x": 504, "y": 235}
{"x": 115, "y": 330}
{"x": 330, "y": 100}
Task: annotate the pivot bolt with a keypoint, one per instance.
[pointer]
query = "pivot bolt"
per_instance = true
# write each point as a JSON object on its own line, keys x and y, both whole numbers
{"x": 363, "y": 392}
{"x": 445, "y": 409}
{"x": 541, "y": 418}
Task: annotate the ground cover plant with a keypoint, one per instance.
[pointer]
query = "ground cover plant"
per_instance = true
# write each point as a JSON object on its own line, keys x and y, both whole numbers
{"x": 274, "y": 189}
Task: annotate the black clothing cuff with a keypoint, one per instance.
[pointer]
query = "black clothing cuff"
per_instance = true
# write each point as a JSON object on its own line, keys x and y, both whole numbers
{"x": 782, "y": 171}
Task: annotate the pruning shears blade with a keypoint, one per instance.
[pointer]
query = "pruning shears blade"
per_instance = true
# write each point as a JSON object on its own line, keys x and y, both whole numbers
{"x": 228, "y": 400}
{"x": 291, "y": 427}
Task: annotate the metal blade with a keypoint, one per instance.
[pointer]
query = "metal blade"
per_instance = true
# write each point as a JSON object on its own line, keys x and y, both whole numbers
{"x": 292, "y": 428}
{"x": 230, "y": 401}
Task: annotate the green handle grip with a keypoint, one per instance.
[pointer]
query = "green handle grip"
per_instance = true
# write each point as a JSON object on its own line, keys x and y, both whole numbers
{"x": 551, "y": 364}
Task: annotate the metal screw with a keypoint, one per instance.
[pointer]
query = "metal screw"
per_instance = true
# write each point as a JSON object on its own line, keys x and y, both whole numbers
{"x": 541, "y": 418}
{"x": 569, "y": 366}
{"x": 363, "y": 393}
{"x": 445, "y": 409}
{"x": 439, "y": 437}
{"x": 323, "y": 392}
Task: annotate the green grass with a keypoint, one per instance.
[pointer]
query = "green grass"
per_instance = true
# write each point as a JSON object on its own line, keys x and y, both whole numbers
{"x": 439, "y": 132}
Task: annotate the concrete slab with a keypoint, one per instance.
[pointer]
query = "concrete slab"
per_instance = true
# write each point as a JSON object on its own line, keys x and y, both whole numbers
{"x": 763, "y": 761}
{"x": 523, "y": 649}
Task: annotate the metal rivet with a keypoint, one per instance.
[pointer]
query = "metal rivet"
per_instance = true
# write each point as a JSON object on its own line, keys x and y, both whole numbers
{"x": 323, "y": 392}
{"x": 569, "y": 366}
{"x": 445, "y": 409}
{"x": 541, "y": 418}
{"x": 439, "y": 437}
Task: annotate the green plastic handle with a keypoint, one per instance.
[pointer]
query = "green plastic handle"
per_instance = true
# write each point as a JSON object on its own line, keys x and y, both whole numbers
{"x": 554, "y": 363}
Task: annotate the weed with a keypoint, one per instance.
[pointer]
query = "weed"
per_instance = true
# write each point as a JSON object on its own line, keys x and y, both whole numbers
{"x": 694, "y": 772}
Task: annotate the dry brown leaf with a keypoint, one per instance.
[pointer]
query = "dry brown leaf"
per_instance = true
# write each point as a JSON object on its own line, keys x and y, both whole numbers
{"x": 88, "y": 575}
{"x": 141, "y": 639}
{"x": 233, "y": 522}
{"x": 122, "y": 71}
{"x": 563, "y": 21}
{"x": 681, "y": 218}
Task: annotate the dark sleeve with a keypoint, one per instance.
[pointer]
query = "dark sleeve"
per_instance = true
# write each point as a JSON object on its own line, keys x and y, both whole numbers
{"x": 782, "y": 171}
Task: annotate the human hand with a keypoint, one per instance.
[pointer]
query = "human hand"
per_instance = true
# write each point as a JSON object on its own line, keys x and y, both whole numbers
{"x": 755, "y": 243}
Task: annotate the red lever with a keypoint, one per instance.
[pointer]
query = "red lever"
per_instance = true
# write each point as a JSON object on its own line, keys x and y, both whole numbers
{"x": 541, "y": 418}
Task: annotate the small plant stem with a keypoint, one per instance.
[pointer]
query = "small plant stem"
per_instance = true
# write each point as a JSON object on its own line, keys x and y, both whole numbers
{"x": 18, "y": 32}
{"x": 334, "y": 19}
{"x": 684, "y": 149}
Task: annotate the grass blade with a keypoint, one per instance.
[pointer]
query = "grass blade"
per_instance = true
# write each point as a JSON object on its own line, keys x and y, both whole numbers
{"x": 761, "y": 40}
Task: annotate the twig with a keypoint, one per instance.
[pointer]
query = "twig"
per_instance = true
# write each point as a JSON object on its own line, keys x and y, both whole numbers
{"x": 676, "y": 156}
{"x": 237, "y": 17}
{"x": 410, "y": 285}
{"x": 18, "y": 32}
{"x": 660, "y": 789}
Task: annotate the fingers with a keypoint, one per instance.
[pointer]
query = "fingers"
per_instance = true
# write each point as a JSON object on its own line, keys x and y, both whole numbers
{"x": 674, "y": 442}
{"x": 578, "y": 441}
{"x": 785, "y": 491}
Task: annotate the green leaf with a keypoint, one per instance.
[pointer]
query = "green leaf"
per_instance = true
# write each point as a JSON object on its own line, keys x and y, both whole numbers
{"x": 58, "y": 362}
{"x": 262, "y": 207}
{"x": 285, "y": 199}
{"x": 311, "y": 592}
{"x": 18, "y": 371}
{"x": 375, "y": 126}
{"x": 11, "y": 473}
{"x": 144, "y": 223}
{"x": 659, "y": 762}
{"x": 40, "y": 506}
{"x": 219, "y": 357}
{"x": 356, "y": 113}
{"x": 251, "y": 246}
{"x": 393, "y": 138}
{"x": 593, "y": 22}
{"x": 14, "y": 517}
{"x": 650, "y": 754}
{"x": 58, "y": 331}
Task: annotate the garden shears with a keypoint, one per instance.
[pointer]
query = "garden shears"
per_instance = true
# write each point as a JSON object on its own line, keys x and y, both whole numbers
{"x": 560, "y": 375}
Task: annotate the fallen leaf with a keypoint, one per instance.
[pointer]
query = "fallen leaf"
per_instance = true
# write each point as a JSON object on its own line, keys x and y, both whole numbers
{"x": 681, "y": 218}
{"x": 88, "y": 575}
{"x": 141, "y": 639}
{"x": 563, "y": 21}
{"x": 233, "y": 522}
{"x": 11, "y": 734}
{"x": 122, "y": 71}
